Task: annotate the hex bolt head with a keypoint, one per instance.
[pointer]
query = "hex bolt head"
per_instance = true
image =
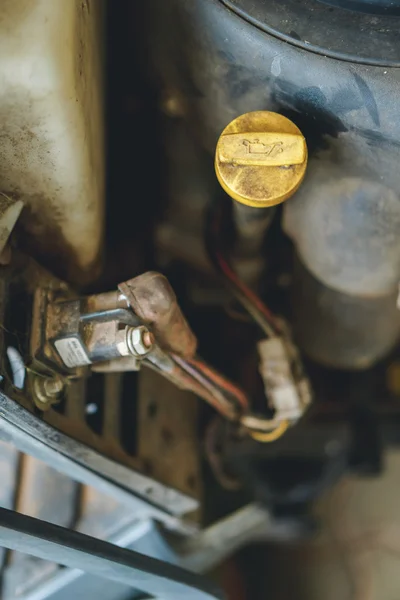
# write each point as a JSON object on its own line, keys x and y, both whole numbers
{"x": 140, "y": 340}
{"x": 46, "y": 391}
{"x": 54, "y": 386}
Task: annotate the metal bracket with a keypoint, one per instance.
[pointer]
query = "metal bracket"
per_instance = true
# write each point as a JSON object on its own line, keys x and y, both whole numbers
{"x": 79, "y": 551}
{"x": 148, "y": 498}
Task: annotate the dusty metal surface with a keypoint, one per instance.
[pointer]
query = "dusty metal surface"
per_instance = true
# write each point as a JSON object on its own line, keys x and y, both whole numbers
{"x": 73, "y": 421}
{"x": 51, "y": 151}
{"x": 102, "y": 517}
{"x": 251, "y": 226}
{"x": 168, "y": 441}
{"x": 45, "y": 494}
{"x": 152, "y": 298}
{"x": 9, "y": 467}
{"x": 102, "y": 559}
{"x": 349, "y": 243}
{"x": 36, "y": 489}
{"x": 71, "y": 332}
{"x": 342, "y": 330}
{"x": 104, "y": 411}
{"x": 79, "y": 461}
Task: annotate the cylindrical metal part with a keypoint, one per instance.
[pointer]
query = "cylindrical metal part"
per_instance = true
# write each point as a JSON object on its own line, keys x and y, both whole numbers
{"x": 251, "y": 226}
{"x": 105, "y": 302}
{"x": 342, "y": 330}
{"x": 346, "y": 230}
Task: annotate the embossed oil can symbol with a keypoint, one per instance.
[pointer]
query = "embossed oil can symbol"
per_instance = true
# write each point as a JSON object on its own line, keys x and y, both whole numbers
{"x": 257, "y": 147}
{"x": 261, "y": 159}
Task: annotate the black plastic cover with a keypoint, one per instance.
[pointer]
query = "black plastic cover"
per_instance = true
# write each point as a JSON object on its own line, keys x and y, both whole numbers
{"x": 389, "y": 7}
{"x": 328, "y": 30}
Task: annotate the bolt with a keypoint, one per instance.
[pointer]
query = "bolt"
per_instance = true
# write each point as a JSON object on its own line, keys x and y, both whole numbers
{"x": 139, "y": 340}
{"x": 148, "y": 339}
{"x": 53, "y": 387}
{"x": 46, "y": 390}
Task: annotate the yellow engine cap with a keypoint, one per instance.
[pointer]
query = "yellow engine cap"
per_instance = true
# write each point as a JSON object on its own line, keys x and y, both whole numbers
{"x": 261, "y": 159}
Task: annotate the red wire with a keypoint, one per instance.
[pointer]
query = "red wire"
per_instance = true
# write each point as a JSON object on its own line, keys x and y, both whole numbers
{"x": 235, "y": 280}
{"x": 183, "y": 378}
{"x": 221, "y": 382}
{"x": 252, "y": 297}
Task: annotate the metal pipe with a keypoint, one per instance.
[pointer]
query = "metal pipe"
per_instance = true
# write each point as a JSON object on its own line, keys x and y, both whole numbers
{"x": 251, "y": 225}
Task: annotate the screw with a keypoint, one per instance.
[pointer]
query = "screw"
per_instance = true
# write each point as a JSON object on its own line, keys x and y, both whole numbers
{"x": 140, "y": 340}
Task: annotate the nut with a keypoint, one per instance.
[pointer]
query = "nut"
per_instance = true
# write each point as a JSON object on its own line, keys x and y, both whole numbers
{"x": 139, "y": 340}
{"x": 53, "y": 387}
{"x": 47, "y": 390}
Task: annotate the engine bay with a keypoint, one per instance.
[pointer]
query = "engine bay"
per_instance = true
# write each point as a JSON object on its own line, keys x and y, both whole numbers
{"x": 199, "y": 283}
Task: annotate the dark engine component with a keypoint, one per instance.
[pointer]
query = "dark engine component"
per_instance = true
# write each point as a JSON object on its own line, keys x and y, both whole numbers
{"x": 338, "y": 80}
{"x": 369, "y": 6}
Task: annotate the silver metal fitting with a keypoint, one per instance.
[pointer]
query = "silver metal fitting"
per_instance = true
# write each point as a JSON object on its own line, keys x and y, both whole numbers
{"x": 139, "y": 340}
